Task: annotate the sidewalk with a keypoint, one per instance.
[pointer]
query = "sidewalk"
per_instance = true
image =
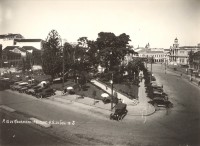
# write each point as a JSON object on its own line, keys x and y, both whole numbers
{"x": 120, "y": 96}
{"x": 142, "y": 108}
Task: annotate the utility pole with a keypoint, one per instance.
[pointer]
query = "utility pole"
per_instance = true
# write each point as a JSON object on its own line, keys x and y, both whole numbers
{"x": 63, "y": 83}
{"x": 112, "y": 92}
{"x": 165, "y": 65}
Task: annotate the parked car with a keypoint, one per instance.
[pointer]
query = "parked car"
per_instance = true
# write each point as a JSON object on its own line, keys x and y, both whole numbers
{"x": 58, "y": 80}
{"x": 37, "y": 90}
{"x": 45, "y": 93}
{"x": 12, "y": 87}
{"x": 25, "y": 88}
{"x": 20, "y": 85}
{"x": 161, "y": 102}
{"x": 31, "y": 90}
{"x": 158, "y": 90}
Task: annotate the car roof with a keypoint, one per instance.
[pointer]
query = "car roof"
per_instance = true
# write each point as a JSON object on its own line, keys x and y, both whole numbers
{"x": 23, "y": 83}
{"x": 157, "y": 98}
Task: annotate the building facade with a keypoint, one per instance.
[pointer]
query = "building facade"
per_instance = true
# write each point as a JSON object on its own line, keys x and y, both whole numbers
{"x": 157, "y": 54}
{"x": 8, "y": 39}
{"x": 11, "y": 58}
{"x": 180, "y": 55}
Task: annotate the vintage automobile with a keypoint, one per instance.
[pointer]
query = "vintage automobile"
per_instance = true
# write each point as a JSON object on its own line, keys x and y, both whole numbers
{"x": 120, "y": 112}
{"x": 46, "y": 92}
{"x": 20, "y": 85}
{"x": 25, "y": 88}
{"x": 32, "y": 90}
{"x": 12, "y": 87}
{"x": 161, "y": 102}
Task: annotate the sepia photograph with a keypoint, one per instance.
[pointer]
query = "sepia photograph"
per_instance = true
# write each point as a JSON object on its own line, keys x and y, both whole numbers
{"x": 100, "y": 72}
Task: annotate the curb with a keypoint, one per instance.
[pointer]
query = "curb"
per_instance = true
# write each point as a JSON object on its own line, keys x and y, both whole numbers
{"x": 4, "y": 107}
{"x": 71, "y": 101}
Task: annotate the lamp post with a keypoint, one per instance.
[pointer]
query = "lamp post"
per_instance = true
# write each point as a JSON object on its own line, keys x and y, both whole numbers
{"x": 165, "y": 65}
{"x": 78, "y": 69}
{"x": 63, "y": 80}
{"x": 111, "y": 53}
{"x": 111, "y": 92}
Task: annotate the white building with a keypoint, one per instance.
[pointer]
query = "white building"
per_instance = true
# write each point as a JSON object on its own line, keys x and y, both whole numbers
{"x": 180, "y": 55}
{"x": 18, "y": 40}
{"x": 8, "y": 39}
{"x": 158, "y": 54}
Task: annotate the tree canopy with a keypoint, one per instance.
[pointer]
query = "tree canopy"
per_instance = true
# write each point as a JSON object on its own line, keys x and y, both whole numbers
{"x": 51, "y": 55}
{"x": 112, "y": 49}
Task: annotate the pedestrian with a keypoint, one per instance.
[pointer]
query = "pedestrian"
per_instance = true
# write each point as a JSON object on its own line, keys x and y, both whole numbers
{"x": 106, "y": 87}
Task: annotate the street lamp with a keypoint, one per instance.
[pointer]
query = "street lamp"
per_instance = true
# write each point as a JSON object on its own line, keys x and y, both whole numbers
{"x": 111, "y": 92}
{"x": 78, "y": 69}
{"x": 165, "y": 65}
{"x": 63, "y": 80}
{"x": 111, "y": 53}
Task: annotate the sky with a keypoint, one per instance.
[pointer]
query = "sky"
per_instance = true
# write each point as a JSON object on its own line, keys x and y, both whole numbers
{"x": 157, "y": 22}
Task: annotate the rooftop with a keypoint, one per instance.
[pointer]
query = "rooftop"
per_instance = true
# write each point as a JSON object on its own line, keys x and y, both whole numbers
{"x": 10, "y": 48}
{"x": 10, "y": 35}
{"x": 29, "y": 48}
{"x": 28, "y": 40}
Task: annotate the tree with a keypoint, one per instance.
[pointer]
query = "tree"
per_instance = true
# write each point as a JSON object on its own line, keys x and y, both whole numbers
{"x": 36, "y": 57}
{"x": 51, "y": 55}
{"x": 134, "y": 67}
{"x": 112, "y": 49}
{"x": 191, "y": 58}
{"x": 1, "y": 55}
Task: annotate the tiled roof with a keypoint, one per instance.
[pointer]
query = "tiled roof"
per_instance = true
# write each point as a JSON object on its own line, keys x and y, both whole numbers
{"x": 29, "y": 48}
{"x": 8, "y": 48}
{"x": 28, "y": 40}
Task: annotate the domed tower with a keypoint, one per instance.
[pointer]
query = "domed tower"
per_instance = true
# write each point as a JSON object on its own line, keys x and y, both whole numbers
{"x": 176, "y": 44}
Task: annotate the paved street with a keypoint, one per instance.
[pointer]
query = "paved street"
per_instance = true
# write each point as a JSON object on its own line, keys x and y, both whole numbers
{"x": 24, "y": 134}
{"x": 178, "y": 126}
{"x": 184, "y": 118}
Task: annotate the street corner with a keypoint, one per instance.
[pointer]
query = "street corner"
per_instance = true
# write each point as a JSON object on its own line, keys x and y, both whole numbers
{"x": 141, "y": 110}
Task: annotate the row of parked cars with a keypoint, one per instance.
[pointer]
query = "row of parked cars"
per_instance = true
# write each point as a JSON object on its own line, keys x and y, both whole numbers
{"x": 156, "y": 93}
{"x": 37, "y": 90}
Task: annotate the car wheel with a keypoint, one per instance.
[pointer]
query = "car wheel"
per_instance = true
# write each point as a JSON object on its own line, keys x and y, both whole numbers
{"x": 119, "y": 118}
